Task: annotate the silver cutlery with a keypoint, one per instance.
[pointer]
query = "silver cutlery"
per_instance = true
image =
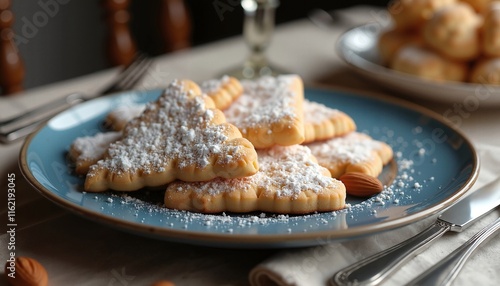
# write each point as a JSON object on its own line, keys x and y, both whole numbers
{"x": 445, "y": 271}
{"x": 378, "y": 267}
{"x": 20, "y": 126}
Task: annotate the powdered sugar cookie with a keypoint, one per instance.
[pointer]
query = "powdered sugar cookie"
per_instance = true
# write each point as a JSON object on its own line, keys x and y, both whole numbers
{"x": 270, "y": 111}
{"x": 322, "y": 122}
{"x": 222, "y": 91}
{"x": 179, "y": 136}
{"x": 120, "y": 116}
{"x": 289, "y": 181}
{"x": 86, "y": 151}
{"x": 355, "y": 152}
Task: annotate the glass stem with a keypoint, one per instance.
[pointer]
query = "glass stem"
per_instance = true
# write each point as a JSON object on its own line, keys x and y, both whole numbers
{"x": 258, "y": 28}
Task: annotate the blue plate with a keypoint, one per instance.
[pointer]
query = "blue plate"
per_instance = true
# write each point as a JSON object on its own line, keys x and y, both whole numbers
{"x": 434, "y": 165}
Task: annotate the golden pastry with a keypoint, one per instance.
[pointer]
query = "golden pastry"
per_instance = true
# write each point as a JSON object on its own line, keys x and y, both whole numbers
{"x": 355, "y": 152}
{"x": 289, "y": 181}
{"x": 481, "y": 6}
{"x": 390, "y": 41}
{"x": 322, "y": 122}
{"x": 486, "y": 71}
{"x": 412, "y": 14}
{"x": 120, "y": 116}
{"x": 86, "y": 151}
{"x": 427, "y": 64}
{"x": 491, "y": 31}
{"x": 270, "y": 111}
{"x": 454, "y": 32}
{"x": 223, "y": 91}
{"x": 179, "y": 136}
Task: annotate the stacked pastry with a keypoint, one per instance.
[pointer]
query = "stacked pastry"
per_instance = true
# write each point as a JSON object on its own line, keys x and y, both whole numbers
{"x": 231, "y": 146}
{"x": 444, "y": 40}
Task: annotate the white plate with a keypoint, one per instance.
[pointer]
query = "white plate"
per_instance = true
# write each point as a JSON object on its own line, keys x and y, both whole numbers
{"x": 358, "y": 48}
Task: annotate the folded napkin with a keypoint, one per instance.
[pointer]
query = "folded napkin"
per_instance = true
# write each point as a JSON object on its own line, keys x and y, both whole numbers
{"x": 316, "y": 265}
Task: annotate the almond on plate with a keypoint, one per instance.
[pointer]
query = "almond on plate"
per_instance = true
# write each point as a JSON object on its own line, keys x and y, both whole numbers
{"x": 361, "y": 185}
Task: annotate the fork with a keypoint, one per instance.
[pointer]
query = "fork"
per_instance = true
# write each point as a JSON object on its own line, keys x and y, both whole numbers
{"x": 444, "y": 272}
{"x": 125, "y": 80}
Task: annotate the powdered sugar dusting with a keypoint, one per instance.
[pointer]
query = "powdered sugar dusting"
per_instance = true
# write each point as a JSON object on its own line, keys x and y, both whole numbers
{"x": 213, "y": 85}
{"x": 175, "y": 128}
{"x": 291, "y": 171}
{"x": 353, "y": 148}
{"x": 388, "y": 204}
{"x": 264, "y": 101}
{"x": 125, "y": 113}
{"x": 317, "y": 113}
{"x": 288, "y": 170}
{"x": 94, "y": 147}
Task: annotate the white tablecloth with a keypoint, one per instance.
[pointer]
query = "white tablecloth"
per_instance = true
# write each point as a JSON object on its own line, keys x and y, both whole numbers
{"x": 76, "y": 251}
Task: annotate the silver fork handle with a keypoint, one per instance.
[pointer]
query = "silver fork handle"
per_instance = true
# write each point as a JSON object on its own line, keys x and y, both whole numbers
{"x": 444, "y": 272}
{"x": 57, "y": 104}
{"x": 20, "y": 132}
{"x": 26, "y": 123}
{"x": 376, "y": 268}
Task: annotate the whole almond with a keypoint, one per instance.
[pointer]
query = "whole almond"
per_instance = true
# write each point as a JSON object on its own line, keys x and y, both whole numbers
{"x": 361, "y": 185}
{"x": 28, "y": 272}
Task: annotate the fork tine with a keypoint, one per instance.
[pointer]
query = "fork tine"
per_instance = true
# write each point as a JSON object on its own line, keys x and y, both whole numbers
{"x": 124, "y": 73}
{"x": 131, "y": 80}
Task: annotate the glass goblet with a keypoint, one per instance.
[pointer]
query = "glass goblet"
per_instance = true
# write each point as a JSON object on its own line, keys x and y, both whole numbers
{"x": 258, "y": 27}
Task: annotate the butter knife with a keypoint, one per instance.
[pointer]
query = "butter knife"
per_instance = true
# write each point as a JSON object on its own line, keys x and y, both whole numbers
{"x": 378, "y": 267}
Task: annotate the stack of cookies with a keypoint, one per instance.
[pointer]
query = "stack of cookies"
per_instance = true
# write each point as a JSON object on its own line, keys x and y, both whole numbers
{"x": 226, "y": 145}
{"x": 444, "y": 40}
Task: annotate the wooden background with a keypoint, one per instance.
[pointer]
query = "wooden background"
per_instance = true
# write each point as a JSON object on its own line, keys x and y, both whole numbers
{"x": 70, "y": 41}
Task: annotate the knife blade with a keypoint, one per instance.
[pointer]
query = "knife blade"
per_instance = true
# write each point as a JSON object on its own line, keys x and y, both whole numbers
{"x": 378, "y": 267}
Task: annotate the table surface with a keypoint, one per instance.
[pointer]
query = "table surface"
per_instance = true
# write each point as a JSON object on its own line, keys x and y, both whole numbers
{"x": 66, "y": 242}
